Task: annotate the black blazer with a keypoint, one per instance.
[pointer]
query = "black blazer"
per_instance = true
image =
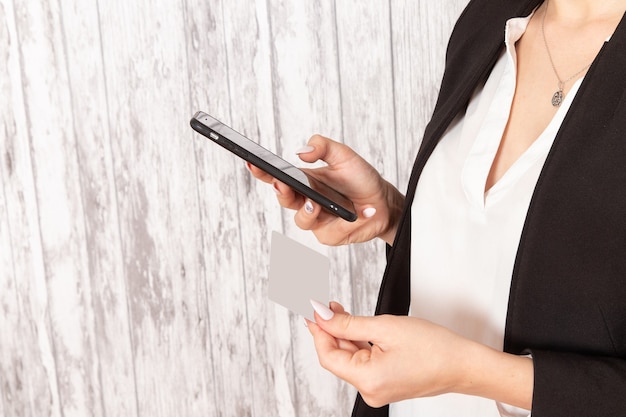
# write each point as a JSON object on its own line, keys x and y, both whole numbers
{"x": 567, "y": 302}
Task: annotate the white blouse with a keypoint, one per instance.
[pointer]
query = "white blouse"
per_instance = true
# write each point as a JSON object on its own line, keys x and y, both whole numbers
{"x": 464, "y": 241}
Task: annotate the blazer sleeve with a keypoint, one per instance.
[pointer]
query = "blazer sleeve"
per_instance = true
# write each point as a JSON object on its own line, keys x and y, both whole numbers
{"x": 569, "y": 384}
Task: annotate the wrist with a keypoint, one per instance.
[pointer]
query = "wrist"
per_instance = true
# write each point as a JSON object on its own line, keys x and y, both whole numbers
{"x": 395, "y": 206}
{"x": 497, "y": 375}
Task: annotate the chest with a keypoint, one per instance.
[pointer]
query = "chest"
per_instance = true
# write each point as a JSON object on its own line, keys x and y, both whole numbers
{"x": 540, "y": 75}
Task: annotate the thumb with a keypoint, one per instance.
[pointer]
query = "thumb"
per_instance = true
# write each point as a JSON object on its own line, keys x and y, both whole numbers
{"x": 344, "y": 326}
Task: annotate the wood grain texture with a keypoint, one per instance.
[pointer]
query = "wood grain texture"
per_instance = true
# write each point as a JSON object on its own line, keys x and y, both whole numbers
{"x": 134, "y": 253}
{"x": 366, "y": 65}
{"x": 308, "y": 102}
{"x": 27, "y": 369}
{"x": 419, "y": 34}
{"x": 61, "y": 218}
{"x": 147, "y": 92}
{"x": 99, "y": 201}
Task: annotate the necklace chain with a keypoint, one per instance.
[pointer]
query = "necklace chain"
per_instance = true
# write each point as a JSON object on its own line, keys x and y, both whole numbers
{"x": 557, "y": 97}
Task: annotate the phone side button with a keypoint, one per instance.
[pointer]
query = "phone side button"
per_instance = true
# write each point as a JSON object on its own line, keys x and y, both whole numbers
{"x": 214, "y": 136}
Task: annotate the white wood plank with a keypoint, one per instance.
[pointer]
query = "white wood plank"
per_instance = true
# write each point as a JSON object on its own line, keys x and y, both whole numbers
{"x": 207, "y": 75}
{"x": 364, "y": 38}
{"x": 147, "y": 90}
{"x": 218, "y": 206}
{"x": 420, "y": 36}
{"x": 103, "y": 243}
{"x": 308, "y": 101}
{"x": 27, "y": 367}
{"x": 60, "y": 219}
{"x": 231, "y": 79}
{"x": 248, "y": 46}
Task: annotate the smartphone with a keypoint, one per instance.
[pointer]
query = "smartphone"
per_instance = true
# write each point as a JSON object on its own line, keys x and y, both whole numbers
{"x": 303, "y": 182}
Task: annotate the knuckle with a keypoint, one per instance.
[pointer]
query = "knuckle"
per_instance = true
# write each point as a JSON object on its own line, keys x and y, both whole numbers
{"x": 323, "y": 362}
{"x": 316, "y": 138}
{"x": 372, "y": 401}
{"x": 326, "y": 240}
{"x": 371, "y": 393}
{"x": 302, "y": 221}
{"x": 346, "y": 322}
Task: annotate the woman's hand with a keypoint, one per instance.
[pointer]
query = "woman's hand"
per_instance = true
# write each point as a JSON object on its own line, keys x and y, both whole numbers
{"x": 378, "y": 203}
{"x": 407, "y": 357}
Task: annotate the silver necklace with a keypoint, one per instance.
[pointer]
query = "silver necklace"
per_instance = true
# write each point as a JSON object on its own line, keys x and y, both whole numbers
{"x": 557, "y": 97}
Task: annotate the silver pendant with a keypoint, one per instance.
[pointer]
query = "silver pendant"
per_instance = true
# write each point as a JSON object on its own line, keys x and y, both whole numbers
{"x": 557, "y": 98}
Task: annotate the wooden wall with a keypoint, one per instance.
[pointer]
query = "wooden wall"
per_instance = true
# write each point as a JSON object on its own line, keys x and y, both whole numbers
{"x": 134, "y": 254}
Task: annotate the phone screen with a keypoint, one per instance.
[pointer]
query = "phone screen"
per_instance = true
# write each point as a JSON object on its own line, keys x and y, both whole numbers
{"x": 303, "y": 182}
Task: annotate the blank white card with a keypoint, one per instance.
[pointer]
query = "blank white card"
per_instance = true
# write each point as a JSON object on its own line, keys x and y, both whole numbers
{"x": 297, "y": 274}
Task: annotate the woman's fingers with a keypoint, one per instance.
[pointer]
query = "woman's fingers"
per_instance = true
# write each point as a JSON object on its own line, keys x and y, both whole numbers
{"x": 286, "y": 196}
{"x": 306, "y": 217}
{"x": 352, "y": 176}
{"x": 259, "y": 173}
{"x": 342, "y": 325}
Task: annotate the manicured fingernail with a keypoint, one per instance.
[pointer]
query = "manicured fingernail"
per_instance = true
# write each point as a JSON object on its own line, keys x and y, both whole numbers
{"x": 369, "y": 212}
{"x": 308, "y": 207}
{"x": 305, "y": 149}
{"x": 276, "y": 189}
{"x": 324, "y": 312}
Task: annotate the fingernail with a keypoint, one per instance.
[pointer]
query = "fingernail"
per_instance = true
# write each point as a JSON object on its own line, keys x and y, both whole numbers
{"x": 305, "y": 149}
{"x": 276, "y": 189}
{"x": 369, "y": 212}
{"x": 324, "y": 312}
{"x": 249, "y": 166}
{"x": 308, "y": 207}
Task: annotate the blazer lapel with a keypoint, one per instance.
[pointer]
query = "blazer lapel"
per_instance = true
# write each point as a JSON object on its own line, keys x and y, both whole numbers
{"x": 572, "y": 183}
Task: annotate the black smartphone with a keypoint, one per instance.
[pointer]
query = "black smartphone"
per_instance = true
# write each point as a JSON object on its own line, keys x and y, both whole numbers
{"x": 303, "y": 182}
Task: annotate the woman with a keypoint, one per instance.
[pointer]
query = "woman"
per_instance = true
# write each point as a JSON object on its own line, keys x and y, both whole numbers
{"x": 509, "y": 249}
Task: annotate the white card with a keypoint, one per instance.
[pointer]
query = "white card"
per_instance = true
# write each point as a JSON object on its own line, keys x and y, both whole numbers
{"x": 297, "y": 275}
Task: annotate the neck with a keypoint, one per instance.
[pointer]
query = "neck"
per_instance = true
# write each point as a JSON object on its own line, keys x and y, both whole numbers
{"x": 581, "y": 11}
